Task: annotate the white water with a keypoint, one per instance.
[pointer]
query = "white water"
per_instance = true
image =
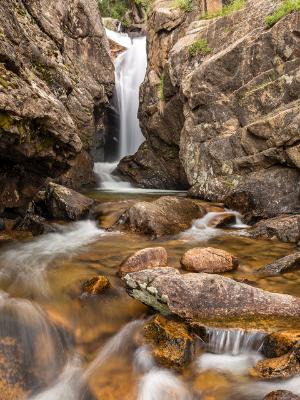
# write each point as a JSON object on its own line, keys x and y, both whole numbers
{"x": 202, "y": 230}
{"x": 26, "y": 264}
{"x": 130, "y": 70}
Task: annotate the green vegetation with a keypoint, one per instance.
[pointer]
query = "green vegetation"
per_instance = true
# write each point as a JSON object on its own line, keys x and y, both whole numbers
{"x": 146, "y": 4}
{"x": 199, "y": 47}
{"x": 113, "y": 8}
{"x": 287, "y": 7}
{"x": 234, "y": 5}
{"x": 185, "y": 5}
{"x": 161, "y": 90}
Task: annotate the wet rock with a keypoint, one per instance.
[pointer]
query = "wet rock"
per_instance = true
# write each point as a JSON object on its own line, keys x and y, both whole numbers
{"x": 36, "y": 225}
{"x": 223, "y": 220}
{"x": 281, "y": 266}
{"x": 152, "y": 257}
{"x": 279, "y": 343}
{"x": 2, "y": 224}
{"x": 64, "y": 203}
{"x": 285, "y": 366}
{"x": 208, "y": 260}
{"x": 165, "y": 216}
{"x": 285, "y": 228}
{"x": 281, "y": 395}
{"x": 196, "y": 297}
{"x": 56, "y": 79}
{"x": 170, "y": 341}
{"x": 96, "y": 285}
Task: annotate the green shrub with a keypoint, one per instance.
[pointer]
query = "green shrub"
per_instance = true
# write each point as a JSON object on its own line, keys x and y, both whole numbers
{"x": 185, "y": 5}
{"x": 199, "y": 47}
{"x": 113, "y": 8}
{"x": 287, "y": 7}
{"x": 146, "y": 4}
{"x": 234, "y": 5}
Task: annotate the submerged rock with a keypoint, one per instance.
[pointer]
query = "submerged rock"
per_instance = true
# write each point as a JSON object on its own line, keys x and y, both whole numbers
{"x": 37, "y": 225}
{"x": 283, "y": 265}
{"x": 151, "y": 257}
{"x": 222, "y": 220}
{"x": 199, "y": 297}
{"x": 95, "y": 285}
{"x": 279, "y": 343}
{"x": 284, "y": 227}
{"x": 281, "y": 395}
{"x": 65, "y": 203}
{"x": 208, "y": 260}
{"x": 285, "y": 366}
{"x": 165, "y": 216}
{"x": 170, "y": 341}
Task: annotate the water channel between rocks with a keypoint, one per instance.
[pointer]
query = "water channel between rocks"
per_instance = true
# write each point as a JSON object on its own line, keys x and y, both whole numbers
{"x": 81, "y": 348}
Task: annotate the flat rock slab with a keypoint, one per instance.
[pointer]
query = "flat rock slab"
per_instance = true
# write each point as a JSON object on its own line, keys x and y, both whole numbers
{"x": 283, "y": 265}
{"x": 165, "y": 216}
{"x": 203, "y": 297}
{"x": 209, "y": 260}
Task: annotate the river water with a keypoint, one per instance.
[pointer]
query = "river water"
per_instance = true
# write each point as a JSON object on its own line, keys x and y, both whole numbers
{"x": 59, "y": 345}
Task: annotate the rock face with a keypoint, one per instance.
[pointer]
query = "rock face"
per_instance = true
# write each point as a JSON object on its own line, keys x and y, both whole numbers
{"x": 196, "y": 297}
{"x": 56, "y": 76}
{"x": 165, "y": 216}
{"x": 171, "y": 342}
{"x": 285, "y": 264}
{"x": 229, "y": 116}
{"x": 209, "y": 260}
{"x": 66, "y": 204}
{"x": 152, "y": 257}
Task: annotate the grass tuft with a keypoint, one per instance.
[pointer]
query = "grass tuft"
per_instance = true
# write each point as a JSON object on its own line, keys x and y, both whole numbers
{"x": 234, "y": 5}
{"x": 185, "y": 5}
{"x": 199, "y": 47}
{"x": 287, "y": 7}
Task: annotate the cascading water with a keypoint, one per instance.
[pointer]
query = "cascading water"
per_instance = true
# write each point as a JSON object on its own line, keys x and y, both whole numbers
{"x": 130, "y": 70}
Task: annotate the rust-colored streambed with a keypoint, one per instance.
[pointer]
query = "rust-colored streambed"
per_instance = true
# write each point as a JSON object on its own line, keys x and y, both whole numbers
{"x": 57, "y": 345}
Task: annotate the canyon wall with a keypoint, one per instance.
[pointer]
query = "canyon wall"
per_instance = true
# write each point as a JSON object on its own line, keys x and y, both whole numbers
{"x": 226, "y": 115}
{"x": 56, "y": 75}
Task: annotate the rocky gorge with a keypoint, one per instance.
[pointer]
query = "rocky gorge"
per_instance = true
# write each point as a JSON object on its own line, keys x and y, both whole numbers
{"x": 183, "y": 283}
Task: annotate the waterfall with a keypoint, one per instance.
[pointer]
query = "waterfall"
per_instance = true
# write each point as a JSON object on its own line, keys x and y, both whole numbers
{"x": 130, "y": 70}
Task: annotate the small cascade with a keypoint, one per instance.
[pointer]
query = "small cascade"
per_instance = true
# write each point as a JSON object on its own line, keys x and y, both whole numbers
{"x": 231, "y": 351}
{"x": 202, "y": 230}
{"x": 233, "y": 341}
{"x": 130, "y": 70}
{"x": 26, "y": 264}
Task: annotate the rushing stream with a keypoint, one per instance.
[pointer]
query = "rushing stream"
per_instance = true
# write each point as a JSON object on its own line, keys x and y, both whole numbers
{"x": 63, "y": 346}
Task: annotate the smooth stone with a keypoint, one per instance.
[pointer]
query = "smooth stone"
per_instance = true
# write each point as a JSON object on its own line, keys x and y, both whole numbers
{"x": 281, "y": 395}
{"x": 282, "y": 367}
{"x": 151, "y": 257}
{"x": 279, "y": 343}
{"x": 222, "y": 220}
{"x": 284, "y": 227}
{"x": 208, "y": 260}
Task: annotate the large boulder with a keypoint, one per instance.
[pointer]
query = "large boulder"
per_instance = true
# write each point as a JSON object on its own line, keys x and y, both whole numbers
{"x": 165, "y": 216}
{"x": 283, "y": 265}
{"x": 284, "y": 227}
{"x": 206, "y": 297}
{"x": 56, "y": 79}
{"x": 208, "y": 260}
{"x": 151, "y": 257}
{"x": 64, "y": 203}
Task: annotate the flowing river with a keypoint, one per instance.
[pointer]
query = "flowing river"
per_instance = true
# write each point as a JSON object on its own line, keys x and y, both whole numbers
{"x": 59, "y": 345}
